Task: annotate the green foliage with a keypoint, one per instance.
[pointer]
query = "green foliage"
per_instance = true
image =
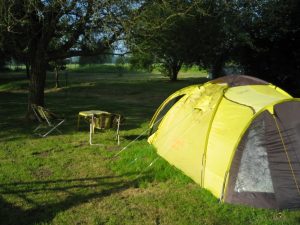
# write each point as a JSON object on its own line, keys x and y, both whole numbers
{"x": 174, "y": 33}
{"x": 156, "y": 39}
{"x": 261, "y": 36}
{"x": 141, "y": 62}
{"x": 272, "y": 51}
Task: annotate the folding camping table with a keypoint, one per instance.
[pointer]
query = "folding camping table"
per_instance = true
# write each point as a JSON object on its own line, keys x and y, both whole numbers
{"x": 88, "y": 115}
{"x": 101, "y": 120}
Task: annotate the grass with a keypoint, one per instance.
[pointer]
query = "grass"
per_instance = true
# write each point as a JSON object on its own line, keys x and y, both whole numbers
{"x": 97, "y": 68}
{"x": 62, "y": 180}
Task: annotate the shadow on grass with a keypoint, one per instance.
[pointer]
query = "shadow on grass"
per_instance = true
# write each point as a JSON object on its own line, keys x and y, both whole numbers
{"x": 134, "y": 137}
{"x": 77, "y": 191}
{"x": 10, "y": 77}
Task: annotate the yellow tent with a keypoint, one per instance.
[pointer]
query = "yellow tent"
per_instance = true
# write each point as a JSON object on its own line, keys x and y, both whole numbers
{"x": 237, "y": 136}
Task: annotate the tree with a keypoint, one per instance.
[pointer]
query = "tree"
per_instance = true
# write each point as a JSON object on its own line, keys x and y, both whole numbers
{"x": 157, "y": 34}
{"x": 3, "y": 59}
{"x": 40, "y": 31}
{"x": 180, "y": 32}
{"x": 273, "y": 49}
{"x": 141, "y": 61}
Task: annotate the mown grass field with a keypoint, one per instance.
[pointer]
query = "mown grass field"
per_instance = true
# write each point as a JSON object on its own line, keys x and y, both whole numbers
{"x": 61, "y": 179}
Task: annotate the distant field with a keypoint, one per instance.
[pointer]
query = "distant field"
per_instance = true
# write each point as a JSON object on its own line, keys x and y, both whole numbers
{"x": 124, "y": 69}
{"x": 117, "y": 69}
{"x": 61, "y": 179}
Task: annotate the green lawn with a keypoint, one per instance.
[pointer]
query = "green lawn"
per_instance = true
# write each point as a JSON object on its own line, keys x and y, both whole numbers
{"x": 62, "y": 180}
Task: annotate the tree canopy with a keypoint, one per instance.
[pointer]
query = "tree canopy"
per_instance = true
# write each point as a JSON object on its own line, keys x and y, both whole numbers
{"x": 273, "y": 49}
{"x": 261, "y": 36}
{"x": 182, "y": 32}
{"x": 39, "y": 31}
{"x": 160, "y": 33}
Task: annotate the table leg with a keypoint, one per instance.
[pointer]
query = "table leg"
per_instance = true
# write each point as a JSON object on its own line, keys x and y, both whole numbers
{"x": 118, "y": 129}
{"x": 93, "y": 125}
{"x": 91, "y": 134}
{"x": 78, "y": 121}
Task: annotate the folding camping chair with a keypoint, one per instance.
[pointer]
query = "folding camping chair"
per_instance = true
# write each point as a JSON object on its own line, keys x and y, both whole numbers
{"x": 104, "y": 121}
{"x": 47, "y": 119}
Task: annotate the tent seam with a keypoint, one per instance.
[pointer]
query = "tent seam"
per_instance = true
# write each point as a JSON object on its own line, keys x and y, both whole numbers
{"x": 207, "y": 138}
{"x": 253, "y": 110}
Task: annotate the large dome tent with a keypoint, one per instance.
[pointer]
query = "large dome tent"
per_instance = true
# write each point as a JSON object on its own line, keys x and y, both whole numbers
{"x": 237, "y": 136}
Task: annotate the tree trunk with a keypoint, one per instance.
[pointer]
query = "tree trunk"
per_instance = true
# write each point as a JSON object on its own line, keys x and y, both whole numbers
{"x": 36, "y": 83}
{"x": 217, "y": 68}
{"x": 27, "y": 70}
{"x": 174, "y": 70}
{"x": 56, "y": 78}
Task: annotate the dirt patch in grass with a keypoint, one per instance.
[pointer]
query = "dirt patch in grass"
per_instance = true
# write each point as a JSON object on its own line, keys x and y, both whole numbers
{"x": 151, "y": 189}
{"x": 44, "y": 154}
{"x": 79, "y": 144}
{"x": 113, "y": 148}
{"x": 42, "y": 173}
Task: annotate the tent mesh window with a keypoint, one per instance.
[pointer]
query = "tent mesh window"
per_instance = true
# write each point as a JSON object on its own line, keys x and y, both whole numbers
{"x": 254, "y": 172}
{"x": 163, "y": 112}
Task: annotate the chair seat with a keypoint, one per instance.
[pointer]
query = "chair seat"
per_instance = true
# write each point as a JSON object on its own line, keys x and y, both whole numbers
{"x": 47, "y": 119}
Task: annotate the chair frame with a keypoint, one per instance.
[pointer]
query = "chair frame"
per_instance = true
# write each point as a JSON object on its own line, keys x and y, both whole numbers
{"x": 41, "y": 115}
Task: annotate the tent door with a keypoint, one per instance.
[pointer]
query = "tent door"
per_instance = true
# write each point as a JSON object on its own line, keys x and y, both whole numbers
{"x": 250, "y": 176}
{"x": 265, "y": 170}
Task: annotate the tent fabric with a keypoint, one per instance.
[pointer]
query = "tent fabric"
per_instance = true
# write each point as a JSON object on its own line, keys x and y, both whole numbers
{"x": 234, "y": 81}
{"x": 224, "y": 136}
